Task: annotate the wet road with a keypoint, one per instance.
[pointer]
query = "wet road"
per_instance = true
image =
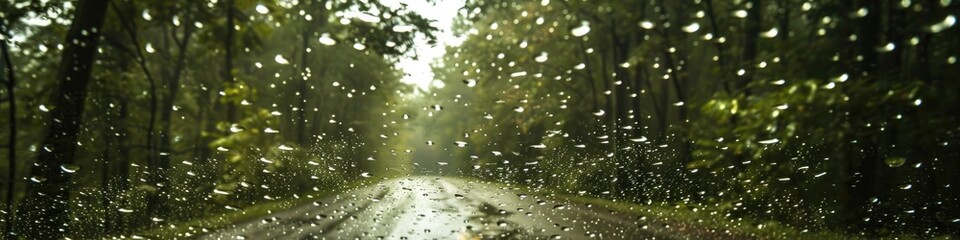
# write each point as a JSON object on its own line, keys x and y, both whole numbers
{"x": 444, "y": 208}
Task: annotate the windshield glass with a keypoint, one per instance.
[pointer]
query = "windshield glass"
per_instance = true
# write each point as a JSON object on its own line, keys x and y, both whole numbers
{"x": 479, "y": 119}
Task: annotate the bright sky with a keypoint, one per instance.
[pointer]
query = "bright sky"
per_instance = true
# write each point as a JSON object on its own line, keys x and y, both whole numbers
{"x": 443, "y": 12}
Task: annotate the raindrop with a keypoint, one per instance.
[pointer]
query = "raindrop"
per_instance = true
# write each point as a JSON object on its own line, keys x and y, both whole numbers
{"x": 402, "y": 28}
{"x": 692, "y": 28}
{"x": 470, "y": 82}
{"x": 38, "y": 179}
{"x": 367, "y": 17}
{"x": 773, "y": 32}
{"x": 895, "y": 161}
{"x": 769, "y": 141}
{"x": 285, "y": 148}
{"x": 581, "y": 30}
{"x": 262, "y": 9}
{"x": 740, "y": 13}
{"x": 365, "y": 174}
{"x": 518, "y": 74}
{"x": 947, "y": 22}
{"x": 69, "y": 168}
{"x": 359, "y": 46}
{"x": 541, "y": 58}
{"x": 646, "y": 25}
{"x": 279, "y": 59}
{"x": 234, "y": 128}
{"x": 326, "y": 40}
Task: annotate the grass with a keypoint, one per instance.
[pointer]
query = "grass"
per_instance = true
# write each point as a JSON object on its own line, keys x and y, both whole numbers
{"x": 203, "y": 225}
{"x": 695, "y": 219}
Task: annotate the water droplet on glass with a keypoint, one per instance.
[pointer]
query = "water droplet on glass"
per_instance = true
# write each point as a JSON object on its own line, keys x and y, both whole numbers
{"x": 773, "y": 32}
{"x": 693, "y": 27}
{"x": 646, "y": 25}
{"x": 69, "y": 168}
{"x": 38, "y": 179}
{"x": 895, "y": 161}
{"x": 234, "y": 128}
{"x": 402, "y": 28}
{"x": 262, "y": 9}
{"x": 769, "y": 141}
{"x": 581, "y": 30}
{"x": 326, "y": 40}
{"x": 541, "y": 58}
{"x": 149, "y": 48}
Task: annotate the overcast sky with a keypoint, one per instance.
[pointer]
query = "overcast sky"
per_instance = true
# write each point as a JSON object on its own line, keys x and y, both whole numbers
{"x": 443, "y": 12}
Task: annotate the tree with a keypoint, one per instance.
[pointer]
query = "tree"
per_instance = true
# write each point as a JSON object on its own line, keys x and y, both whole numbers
{"x": 46, "y": 205}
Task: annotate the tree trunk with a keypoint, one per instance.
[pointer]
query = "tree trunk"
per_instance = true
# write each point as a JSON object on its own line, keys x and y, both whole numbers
{"x": 721, "y": 59}
{"x": 11, "y": 84}
{"x": 119, "y": 181}
{"x": 228, "y": 58}
{"x": 46, "y": 208}
{"x": 166, "y": 117}
{"x": 749, "y": 54}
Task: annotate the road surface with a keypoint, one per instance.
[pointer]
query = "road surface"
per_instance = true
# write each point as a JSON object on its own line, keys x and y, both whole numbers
{"x": 430, "y": 207}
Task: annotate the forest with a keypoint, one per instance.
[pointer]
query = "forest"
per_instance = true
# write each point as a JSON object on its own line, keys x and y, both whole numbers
{"x": 769, "y": 119}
